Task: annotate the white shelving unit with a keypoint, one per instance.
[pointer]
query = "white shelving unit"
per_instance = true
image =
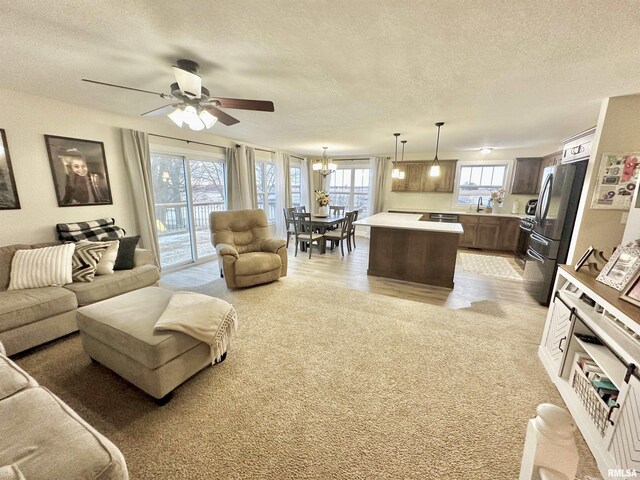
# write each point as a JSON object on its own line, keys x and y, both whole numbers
{"x": 612, "y": 430}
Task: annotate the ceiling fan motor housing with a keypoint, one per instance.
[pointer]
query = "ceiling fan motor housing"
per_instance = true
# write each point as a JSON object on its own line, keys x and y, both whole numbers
{"x": 177, "y": 93}
{"x": 188, "y": 65}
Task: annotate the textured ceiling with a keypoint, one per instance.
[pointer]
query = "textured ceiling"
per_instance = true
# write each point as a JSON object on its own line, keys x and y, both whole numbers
{"x": 342, "y": 73}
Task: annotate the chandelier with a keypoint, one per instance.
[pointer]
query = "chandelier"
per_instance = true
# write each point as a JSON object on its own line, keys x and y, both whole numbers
{"x": 324, "y": 166}
{"x": 195, "y": 118}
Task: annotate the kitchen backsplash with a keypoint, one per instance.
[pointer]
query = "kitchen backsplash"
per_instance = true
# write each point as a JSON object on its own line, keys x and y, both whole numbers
{"x": 444, "y": 201}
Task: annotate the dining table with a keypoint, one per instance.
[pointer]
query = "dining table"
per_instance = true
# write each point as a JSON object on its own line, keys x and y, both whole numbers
{"x": 321, "y": 224}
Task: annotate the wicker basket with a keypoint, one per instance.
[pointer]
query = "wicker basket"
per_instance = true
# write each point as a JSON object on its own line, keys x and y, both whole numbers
{"x": 597, "y": 409}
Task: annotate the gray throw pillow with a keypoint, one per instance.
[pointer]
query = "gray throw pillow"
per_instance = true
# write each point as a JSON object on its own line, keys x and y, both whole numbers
{"x": 126, "y": 252}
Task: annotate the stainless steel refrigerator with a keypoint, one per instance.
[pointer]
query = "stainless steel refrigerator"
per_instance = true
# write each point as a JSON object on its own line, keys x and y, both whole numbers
{"x": 553, "y": 226}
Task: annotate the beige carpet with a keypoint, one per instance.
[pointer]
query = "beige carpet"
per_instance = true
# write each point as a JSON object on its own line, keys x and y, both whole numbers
{"x": 325, "y": 383}
{"x": 488, "y": 265}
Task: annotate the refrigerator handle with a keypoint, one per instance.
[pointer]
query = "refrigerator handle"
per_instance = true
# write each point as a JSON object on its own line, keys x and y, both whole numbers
{"x": 534, "y": 255}
{"x": 543, "y": 203}
{"x": 537, "y": 238}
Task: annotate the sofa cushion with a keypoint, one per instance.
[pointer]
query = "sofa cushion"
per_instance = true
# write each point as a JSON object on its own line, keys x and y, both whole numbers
{"x": 41, "y": 267}
{"x": 125, "y": 260}
{"x": 107, "y": 286}
{"x": 254, "y": 263}
{"x": 13, "y": 378}
{"x": 45, "y": 439}
{"x": 22, "y": 307}
{"x": 126, "y": 324}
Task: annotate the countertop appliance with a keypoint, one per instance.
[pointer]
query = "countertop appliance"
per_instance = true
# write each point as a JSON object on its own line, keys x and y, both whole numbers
{"x": 530, "y": 209}
{"x": 553, "y": 226}
{"x": 526, "y": 225}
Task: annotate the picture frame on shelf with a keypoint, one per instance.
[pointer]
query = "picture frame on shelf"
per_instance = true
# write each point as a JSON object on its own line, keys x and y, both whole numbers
{"x": 8, "y": 191}
{"x": 583, "y": 259}
{"x": 631, "y": 292}
{"x": 621, "y": 267}
{"x": 79, "y": 170}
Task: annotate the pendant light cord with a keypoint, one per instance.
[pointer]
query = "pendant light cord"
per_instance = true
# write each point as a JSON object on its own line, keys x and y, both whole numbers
{"x": 437, "y": 144}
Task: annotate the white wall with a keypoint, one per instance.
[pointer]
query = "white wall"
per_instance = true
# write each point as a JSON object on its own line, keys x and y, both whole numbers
{"x": 26, "y": 119}
{"x": 632, "y": 230}
{"x": 618, "y": 130}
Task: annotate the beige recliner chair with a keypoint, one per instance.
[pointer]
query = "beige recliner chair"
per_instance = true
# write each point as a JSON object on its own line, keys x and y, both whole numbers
{"x": 246, "y": 254}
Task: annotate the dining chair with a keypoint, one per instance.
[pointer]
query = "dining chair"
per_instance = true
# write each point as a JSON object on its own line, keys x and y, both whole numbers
{"x": 341, "y": 235}
{"x": 301, "y": 208}
{"x": 288, "y": 222}
{"x": 352, "y": 230}
{"x": 303, "y": 231}
{"x": 337, "y": 209}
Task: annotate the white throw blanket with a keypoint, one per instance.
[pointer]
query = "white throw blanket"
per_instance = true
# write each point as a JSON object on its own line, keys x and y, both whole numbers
{"x": 208, "y": 319}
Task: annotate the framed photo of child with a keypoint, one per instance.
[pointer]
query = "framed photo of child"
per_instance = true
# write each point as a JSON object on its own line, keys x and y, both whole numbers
{"x": 79, "y": 170}
{"x": 8, "y": 192}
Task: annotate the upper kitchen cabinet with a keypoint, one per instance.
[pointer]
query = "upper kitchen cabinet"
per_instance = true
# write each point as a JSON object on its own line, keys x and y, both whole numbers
{"x": 578, "y": 147}
{"x": 417, "y": 179}
{"x": 445, "y": 182}
{"x": 526, "y": 176}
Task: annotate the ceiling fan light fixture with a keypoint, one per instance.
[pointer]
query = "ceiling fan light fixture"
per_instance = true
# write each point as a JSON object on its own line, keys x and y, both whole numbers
{"x": 189, "y": 83}
{"x": 177, "y": 117}
{"x": 486, "y": 150}
{"x": 208, "y": 119}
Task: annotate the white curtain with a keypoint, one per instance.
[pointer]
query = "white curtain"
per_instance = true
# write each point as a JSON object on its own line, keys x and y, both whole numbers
{"x": 378, "y": 183}
{"x": 307, "y": 196}
{"x": 286, "y": 166}
{"x": 282, "y": 180}
{"x": 240, "y": 182}
{"x": 137, "y": 158}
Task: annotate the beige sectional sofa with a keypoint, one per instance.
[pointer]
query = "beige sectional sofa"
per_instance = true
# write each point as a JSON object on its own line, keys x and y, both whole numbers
{"x": 34, "y": 316}
{"x": 42, "y": 438}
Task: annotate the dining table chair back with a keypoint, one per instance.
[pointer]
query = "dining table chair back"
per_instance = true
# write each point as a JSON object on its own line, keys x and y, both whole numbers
{"x": 288, "y": 222}
{"x": 301, "y": 208}
{"x": 303, "y": 231}
{"x": 342, "y": 234}
{"x": 337, "y": 209}
{"x": 352, "y": 230}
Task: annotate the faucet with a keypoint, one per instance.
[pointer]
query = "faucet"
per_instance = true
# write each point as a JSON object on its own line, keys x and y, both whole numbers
{"x": 479, "y": 204}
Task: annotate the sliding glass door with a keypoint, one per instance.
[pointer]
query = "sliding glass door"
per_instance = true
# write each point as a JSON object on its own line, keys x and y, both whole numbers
{"x": 185, "y": 191}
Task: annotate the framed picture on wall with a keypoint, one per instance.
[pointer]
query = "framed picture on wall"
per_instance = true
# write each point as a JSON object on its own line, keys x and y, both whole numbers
{"x": 8, "y": 191}
{"x": 79, "y": 170}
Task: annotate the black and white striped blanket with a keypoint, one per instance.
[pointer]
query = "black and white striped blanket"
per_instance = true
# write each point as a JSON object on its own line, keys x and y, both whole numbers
{"x": 97, "y": 230}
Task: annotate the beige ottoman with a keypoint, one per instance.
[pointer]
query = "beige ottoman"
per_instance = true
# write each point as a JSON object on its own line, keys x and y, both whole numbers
{"x": 118, "y": 333}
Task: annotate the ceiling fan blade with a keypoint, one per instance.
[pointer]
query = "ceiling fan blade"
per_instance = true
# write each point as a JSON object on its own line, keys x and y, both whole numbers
{"x": 156, "y": 112}
{"x": 260, "y": 105}
{"x": 161, "y": 95}
{"x": 223, "y": 118}
{"x": 190, "y": 83}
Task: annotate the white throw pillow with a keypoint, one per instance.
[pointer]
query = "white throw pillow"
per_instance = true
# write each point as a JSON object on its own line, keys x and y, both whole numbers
{"x": 108, "y": 259}
{"x": 41, "y": 267}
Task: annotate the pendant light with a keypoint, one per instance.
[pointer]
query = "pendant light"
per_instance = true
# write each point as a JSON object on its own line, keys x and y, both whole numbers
{"x": 395, "y": 173}
{"x": 402, "y": 160}
{"x": 434, "y": 171}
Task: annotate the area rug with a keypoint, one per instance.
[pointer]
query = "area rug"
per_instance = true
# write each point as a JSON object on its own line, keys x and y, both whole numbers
{"x": 328, "y": 383}
{"x": 488, "y": 265}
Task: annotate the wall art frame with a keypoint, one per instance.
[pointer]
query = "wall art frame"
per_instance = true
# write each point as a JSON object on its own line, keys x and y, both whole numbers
{"x": 9, "y": 199}
{"x": 79, "y": 171}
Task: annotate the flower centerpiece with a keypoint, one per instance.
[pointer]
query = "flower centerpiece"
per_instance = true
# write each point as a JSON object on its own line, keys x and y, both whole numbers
{"x": 323, "y": 199}
{"x": 497, "y": 197}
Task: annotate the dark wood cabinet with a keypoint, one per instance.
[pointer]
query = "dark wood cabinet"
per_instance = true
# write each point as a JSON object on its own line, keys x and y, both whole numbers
{"x": 417, "y": 178}
{"x": 509, "y": 232}
{"x": 526, "y": 175}
{"x": 470, "y": 226}
{"x": 488, "y": 233}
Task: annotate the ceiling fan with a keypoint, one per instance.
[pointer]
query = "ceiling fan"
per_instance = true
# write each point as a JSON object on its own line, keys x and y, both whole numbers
{"x": 192, "y": 103}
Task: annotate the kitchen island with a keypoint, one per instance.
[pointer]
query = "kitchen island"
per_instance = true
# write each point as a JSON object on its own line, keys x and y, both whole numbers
{"x": 406, "y": 248}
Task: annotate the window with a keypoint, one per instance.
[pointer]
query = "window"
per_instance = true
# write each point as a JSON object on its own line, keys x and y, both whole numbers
{"x": 266, "y": 188}
{"x": 349, "y": 186}
{"x": 295, "y": 173}
{"x": 478, "y": 181}
{"x": 185, "y": 191}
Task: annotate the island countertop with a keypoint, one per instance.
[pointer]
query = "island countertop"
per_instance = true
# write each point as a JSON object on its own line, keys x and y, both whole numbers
{"x": 482, "y": 213}
{"x": 406, "y": 221}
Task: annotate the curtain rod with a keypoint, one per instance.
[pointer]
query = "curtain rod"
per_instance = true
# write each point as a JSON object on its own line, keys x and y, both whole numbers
{"x": 187, "y": 141}
{"x": 269, "y": 151}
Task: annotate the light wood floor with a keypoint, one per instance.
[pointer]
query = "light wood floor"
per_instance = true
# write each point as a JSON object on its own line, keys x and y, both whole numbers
{"x": 350, "y": 271}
